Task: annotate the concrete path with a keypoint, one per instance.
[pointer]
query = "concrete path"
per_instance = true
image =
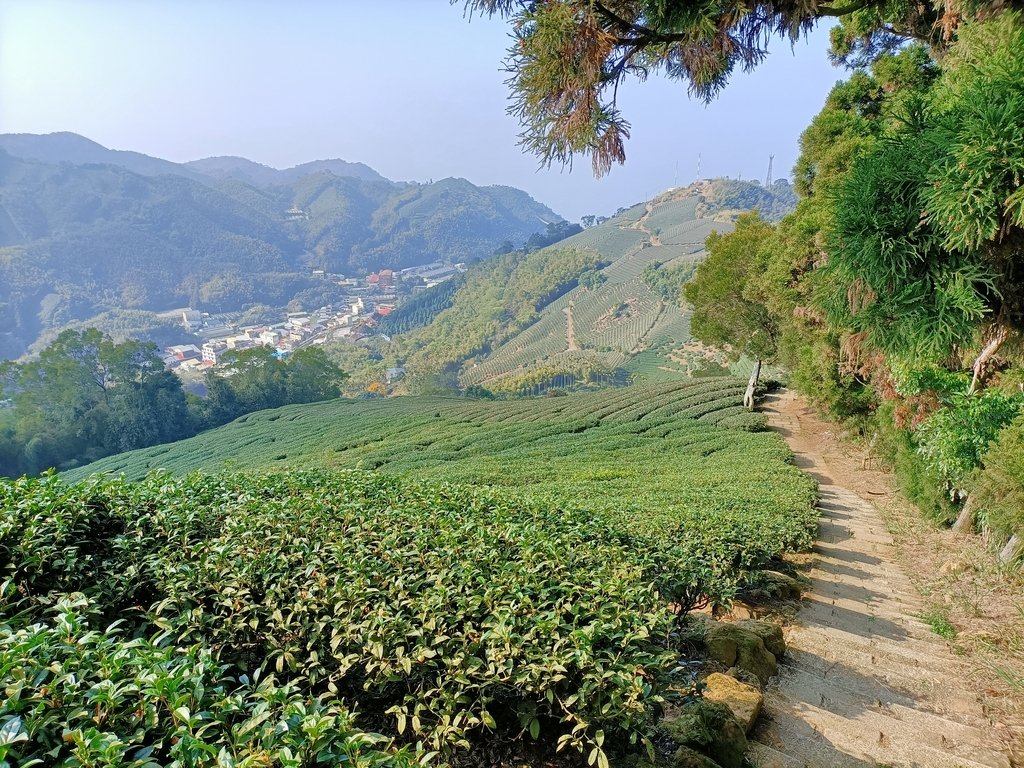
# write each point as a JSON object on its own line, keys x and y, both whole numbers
{"x": 865, "y": 682}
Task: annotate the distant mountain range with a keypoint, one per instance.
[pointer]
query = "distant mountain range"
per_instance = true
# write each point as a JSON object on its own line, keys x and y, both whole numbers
{"x": 86, "y": 230}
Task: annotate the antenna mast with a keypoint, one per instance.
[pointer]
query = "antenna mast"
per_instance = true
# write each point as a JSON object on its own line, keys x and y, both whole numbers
{"x": 768, "y": 178}
{"x": 698, "y": 166}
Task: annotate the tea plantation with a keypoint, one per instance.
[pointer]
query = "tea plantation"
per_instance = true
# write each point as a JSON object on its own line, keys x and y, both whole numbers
{"x": 506, "y": 587}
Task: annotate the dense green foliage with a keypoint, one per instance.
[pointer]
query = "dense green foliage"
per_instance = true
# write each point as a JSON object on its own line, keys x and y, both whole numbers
{"x": 89, "y": 231}
{"x": 998, "y": 487}
{"x": 87, "y": 396}
{"x": 953, "y": 439}
{"x": 728, "y": 305}
{"x": 648, "y": 459}
{"x": 895, "y": 285}
{"x": 82, "y": 693}
{"x": 421, "y": 309}
{"x": 451, "y": 617}
{"x": 406, "y": 599}
{"x": 287, "y": 573}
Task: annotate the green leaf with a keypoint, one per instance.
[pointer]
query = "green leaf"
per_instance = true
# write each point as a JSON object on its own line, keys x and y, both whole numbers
{"x": 11, "y": 732}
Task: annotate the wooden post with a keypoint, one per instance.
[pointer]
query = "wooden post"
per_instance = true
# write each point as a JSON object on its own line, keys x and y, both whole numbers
{"x": 748, "y": 396}
{"x": 964, "y": 525}
{"x": 1011, "y": 550}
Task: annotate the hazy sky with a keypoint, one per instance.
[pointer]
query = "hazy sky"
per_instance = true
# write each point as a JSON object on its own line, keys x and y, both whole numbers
{"x": 409, "y": 87}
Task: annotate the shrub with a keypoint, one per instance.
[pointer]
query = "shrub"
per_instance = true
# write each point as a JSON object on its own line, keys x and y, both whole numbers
{"x": 953, "y": 439}
{"x": 77, "y": 697}
{"x": 999, "y": 483}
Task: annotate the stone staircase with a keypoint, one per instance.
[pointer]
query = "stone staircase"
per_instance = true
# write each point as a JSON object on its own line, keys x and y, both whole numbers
{"x": 864, "y": 681}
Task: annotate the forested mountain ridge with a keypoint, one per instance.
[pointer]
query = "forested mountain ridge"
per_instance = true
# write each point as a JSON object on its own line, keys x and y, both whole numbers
{"x": 67, "y": 147}
{"x": 265, "y": 175}
{"x": 86, "y": 230}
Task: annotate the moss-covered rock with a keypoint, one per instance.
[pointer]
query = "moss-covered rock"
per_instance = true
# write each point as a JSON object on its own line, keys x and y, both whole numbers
{"x": 770, "y": 634}
{"x": 722, "y": 647}
{"x": 709, "y": 728}
{"x": 776, "y": 585}
{"x": 735, "y": 644}
{"x": 691, "y": 758}
{"x": 744, "y": 701}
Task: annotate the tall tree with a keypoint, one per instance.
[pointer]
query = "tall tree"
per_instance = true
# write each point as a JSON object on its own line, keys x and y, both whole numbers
{"x": 728, "y": 303}
{"x": 928, "y": 243}
{"x": 87, "y": 396}
{"x": 569, "y": 57}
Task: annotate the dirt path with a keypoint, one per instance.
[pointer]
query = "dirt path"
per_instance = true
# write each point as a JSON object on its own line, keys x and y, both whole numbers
{"x": 641, "y": 225}
{"x": 865, "y": 682}
{"x": 570, "y": 329}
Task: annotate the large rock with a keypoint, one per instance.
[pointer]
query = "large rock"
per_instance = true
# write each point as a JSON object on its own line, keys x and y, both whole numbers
{"x": 770, "y": 634}
{"x": 782, "y": 585}
{"x": 744, "y": 701}
{"x": 691, "y": 758}
{"x": 707, "y": 727}
{"x": 735, "y": 644}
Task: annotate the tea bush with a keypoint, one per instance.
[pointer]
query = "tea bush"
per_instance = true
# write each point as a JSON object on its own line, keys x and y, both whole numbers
{"x": 75, "y": 696}
{"x": 444, "y": 613}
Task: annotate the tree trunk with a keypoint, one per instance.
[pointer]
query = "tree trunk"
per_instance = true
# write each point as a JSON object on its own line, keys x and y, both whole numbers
{"x": 748, "y": 396}
{"x": 1011, "y": 550}
{"x": 964, "y": 524}
{"x": 999, "y": 335}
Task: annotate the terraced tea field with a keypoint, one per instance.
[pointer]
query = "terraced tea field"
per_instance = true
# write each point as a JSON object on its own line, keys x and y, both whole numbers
{"x": 511, "y": 574}
{"x": 619, "y": 318}
{"x": 644, "y": 455}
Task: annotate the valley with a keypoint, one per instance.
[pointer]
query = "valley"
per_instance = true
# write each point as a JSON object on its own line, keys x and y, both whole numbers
{"x": 92, "y": 235}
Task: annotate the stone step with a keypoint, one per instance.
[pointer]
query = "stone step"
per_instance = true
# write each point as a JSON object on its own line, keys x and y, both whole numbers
{"x": 811, "y": 751}
{"x": 853, "y": 573}
{"x": 910, "y": 647}
{"x": 887, "y": 616}
{"x": 870, "y": 737}
{"x": 834, "y": 636}
{"x": 893, "y": 685}
{"x": 907, "y": 672}
{"x": 863, "y": 537}
{"x": 762, "y": 756}
{"x": 833, "y": 696}
{"x": 828, "y": 586}
{"x": 839, "y": 554}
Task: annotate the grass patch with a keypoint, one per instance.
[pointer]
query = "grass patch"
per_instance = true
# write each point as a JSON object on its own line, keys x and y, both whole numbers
{"x": 939, "y": 623}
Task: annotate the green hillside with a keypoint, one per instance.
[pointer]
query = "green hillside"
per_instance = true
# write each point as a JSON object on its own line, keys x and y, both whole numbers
{"x": 487, "y": 552}
{"x": 85, "y": 230}
{"x": 631, "y": 306}
{"x": 648, "y": 453}
{"x": 681, "y": 442}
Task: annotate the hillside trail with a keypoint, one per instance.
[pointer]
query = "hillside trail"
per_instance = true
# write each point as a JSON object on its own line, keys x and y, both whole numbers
{"x": 641, "y": 225}
{"x": 570, "y": 329}
{"x": 864, "y": 681}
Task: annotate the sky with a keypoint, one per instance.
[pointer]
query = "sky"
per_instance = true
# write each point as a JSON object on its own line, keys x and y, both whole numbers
{"x": 410, "y": 87}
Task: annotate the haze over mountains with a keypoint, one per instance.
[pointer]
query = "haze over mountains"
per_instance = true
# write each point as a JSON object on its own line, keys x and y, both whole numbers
{"x": 86, "y": 230}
